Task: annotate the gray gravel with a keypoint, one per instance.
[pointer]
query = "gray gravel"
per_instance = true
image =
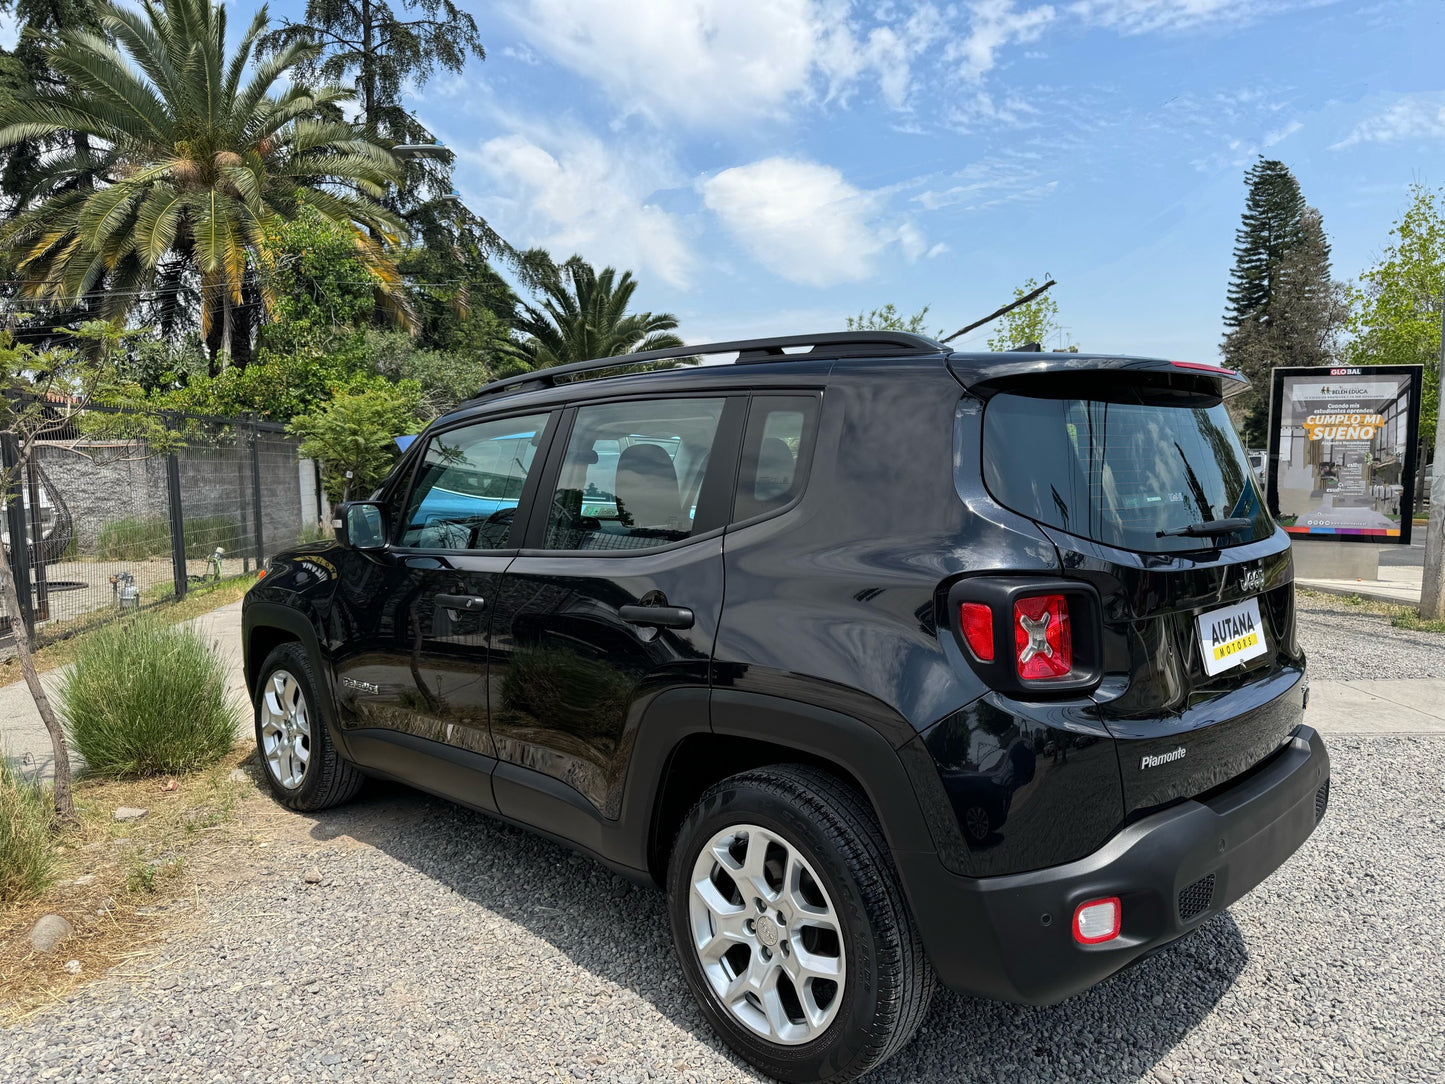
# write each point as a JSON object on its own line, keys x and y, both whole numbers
{"x": 439, "y": 945}
{"x": 1346, "y": 643}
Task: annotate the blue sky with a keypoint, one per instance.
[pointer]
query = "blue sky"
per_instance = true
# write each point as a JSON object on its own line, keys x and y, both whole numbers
{"x": 771, "y": 166}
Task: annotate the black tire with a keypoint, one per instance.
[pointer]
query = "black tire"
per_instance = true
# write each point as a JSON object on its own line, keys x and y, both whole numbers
{"x": 327, "y": 779}
{"x": 834, "y": 831}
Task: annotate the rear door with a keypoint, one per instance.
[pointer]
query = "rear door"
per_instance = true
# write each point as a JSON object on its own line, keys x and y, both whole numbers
{"x": 1198, "y": 632}
{"x": 616, "y": 597}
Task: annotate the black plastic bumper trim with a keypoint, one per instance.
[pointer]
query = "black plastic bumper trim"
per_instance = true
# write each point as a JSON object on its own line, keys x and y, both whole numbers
{"x": 1008, "y": 937}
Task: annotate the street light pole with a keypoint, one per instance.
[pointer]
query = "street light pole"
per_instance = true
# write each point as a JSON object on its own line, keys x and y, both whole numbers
{"x": 1432, "y": 588}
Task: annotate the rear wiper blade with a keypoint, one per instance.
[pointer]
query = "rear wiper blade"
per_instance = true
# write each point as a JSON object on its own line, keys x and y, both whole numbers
{"x": 1209, "y": 527}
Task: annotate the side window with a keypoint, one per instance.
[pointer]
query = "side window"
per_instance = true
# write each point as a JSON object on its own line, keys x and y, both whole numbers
{"x": 468, "y": 483}
{"x": 777, "y": 446}
{"x": 632, "y": 473}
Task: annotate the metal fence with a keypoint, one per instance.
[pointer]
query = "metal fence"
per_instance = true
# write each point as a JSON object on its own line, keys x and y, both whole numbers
{"x": 113, "y": 525}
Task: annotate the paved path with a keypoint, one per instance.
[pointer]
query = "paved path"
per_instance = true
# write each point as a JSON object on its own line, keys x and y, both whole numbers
{"x": 23, "y": 735}
{"x": 1336, "y": 707}
{"x": 1399, "y": 584}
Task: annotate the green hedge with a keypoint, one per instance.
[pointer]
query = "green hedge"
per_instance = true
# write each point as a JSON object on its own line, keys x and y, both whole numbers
{"x": 138, "y": 537}
{"x": 146, "y": 698}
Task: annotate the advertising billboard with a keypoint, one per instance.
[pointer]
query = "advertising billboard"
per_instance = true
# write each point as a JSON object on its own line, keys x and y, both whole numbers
{"x": 1342, "y": 443}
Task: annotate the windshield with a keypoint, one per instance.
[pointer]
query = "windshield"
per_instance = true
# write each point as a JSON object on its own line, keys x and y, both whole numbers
{"x": 1120, "y": 472}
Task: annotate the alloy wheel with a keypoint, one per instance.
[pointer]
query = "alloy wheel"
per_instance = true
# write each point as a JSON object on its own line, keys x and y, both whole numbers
{"x": 767, "y": 936}
{"x": 285, "y": 729}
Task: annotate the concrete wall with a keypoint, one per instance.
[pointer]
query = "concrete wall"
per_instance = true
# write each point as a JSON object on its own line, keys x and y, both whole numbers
{"x": 102, "y": 483}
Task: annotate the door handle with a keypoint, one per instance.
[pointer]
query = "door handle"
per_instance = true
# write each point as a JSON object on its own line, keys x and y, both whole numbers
{"x": 657, "y": 617}
{"x": 469, "y": 603}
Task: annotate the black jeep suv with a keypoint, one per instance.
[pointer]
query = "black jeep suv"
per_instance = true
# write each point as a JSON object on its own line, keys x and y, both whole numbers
{"x": 886, "y": 662}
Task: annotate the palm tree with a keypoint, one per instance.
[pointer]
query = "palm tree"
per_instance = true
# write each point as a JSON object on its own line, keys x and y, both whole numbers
{"x": 199, "y": 153}
{"x": 583, "y": 315}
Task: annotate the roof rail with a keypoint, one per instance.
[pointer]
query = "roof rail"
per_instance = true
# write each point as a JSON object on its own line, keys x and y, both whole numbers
{"x": 833, "y": 344}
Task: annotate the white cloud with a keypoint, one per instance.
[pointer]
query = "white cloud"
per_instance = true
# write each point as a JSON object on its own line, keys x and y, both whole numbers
{"x": 805, "y": 222}
{"x": 710, "y": 61}
{"x": 1147, "y": 16}
{"x": 989, "y": 183}
{"x": 1414, "y": 117}
{"x": 992, "y": 25}
{"x": 982, "y": 110}
{"x": 521, "y": 54}
{"x": 1279, "y": 135}
{"x": 581, "y": 196}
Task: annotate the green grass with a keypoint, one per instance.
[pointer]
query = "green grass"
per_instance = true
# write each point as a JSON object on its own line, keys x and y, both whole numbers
{"x": 146, "y": 698}
{"x": 138, "y": 537}
{"x": 25, "y": 854}
{"x": 1411, "y": 620}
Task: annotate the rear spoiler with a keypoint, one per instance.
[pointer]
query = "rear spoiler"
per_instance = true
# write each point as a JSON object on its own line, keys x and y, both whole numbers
{"x": 987, "y": 373}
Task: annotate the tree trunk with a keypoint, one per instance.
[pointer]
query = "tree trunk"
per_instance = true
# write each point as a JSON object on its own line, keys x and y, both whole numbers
{"x": 368, "y": 67}
{"x": 214, "y": 341}
{"x": 64, "y": 804}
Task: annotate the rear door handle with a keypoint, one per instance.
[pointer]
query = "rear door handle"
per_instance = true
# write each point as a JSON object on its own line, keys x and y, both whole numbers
{"x": 468, "y": 603}
{"x": 657, "y": 617}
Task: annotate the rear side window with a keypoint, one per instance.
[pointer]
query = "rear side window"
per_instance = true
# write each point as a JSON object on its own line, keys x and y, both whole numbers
{"x": 1120, "y": 472}
{"x": 468, "y": 484}
{"x": 632, "y": 475}
{"x": 776, "y": 447}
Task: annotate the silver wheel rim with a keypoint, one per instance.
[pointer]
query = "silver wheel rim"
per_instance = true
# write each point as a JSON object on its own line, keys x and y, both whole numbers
{"x": 285, "y": 729}
{"x": 767, "y": 935}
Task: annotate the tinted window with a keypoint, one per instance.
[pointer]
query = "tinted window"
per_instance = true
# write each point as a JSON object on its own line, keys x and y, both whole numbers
{"x": 775, "y": 451}
{"x": 632, "y": 473}
{"x": 1121, "y": 472}
{"x": 468, "y": 484}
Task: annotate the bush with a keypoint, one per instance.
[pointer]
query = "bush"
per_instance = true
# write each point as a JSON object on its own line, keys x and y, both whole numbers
{"x": 138, "y": 537}
{"x": 145, "y": 698}
{"x": 24, "y": 836}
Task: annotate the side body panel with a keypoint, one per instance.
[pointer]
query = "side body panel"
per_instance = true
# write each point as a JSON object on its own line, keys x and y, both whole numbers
{"x": 840, "y": 603}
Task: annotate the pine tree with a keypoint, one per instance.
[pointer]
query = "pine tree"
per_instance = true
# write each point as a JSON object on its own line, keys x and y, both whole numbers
{"x": 1309, "y": 309}
{"x": 382, "y": 51}
{"x": 1269, "y": 228}
{"x": 1283, "y": 308}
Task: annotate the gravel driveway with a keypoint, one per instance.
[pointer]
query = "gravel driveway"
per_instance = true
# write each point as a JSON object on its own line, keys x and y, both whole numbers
{"x": 440, "y": 945}
{"x": 1347, "y": 643}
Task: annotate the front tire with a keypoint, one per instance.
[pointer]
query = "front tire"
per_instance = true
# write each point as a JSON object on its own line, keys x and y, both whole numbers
{"x": 302, "y": 767}
{"x": 792, "y": 928}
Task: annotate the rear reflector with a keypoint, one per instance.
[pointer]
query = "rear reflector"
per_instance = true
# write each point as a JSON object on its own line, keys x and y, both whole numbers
{"x": 1043, "y": 642}
{"x": 976, "y": 620}
{"x": 1098, "y": 921}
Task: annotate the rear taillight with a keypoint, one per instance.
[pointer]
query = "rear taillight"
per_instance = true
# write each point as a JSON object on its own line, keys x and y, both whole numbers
{"x": 976, "y": 621}
{"x": 1098, "y": 921}
{"x": 1043, "y": 641}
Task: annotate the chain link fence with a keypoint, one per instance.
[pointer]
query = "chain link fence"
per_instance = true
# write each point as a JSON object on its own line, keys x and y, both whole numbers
{"x": 115, "y": 525}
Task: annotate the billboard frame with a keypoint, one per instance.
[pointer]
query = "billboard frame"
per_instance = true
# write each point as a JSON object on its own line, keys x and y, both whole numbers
{"x": 1412, "y": 450}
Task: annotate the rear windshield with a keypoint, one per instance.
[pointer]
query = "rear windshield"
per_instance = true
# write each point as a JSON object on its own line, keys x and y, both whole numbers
{"x": 1120, "y": 472}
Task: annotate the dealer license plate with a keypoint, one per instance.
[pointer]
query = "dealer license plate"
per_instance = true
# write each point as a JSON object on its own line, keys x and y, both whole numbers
{"x": 1231, "y": 636}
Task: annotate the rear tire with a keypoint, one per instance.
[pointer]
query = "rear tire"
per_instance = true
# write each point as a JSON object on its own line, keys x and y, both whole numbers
{"x": 302, "y": 767}
{"x": 779, "y": 880}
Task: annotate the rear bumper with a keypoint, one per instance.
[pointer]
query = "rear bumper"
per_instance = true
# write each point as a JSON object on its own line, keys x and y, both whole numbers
{"x": 1010, "y": 937}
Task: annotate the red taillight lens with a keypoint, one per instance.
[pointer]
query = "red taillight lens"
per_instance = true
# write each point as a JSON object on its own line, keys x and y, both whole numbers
{"x": 1043, "y": 644}
{"x": 976, "y": 620}
{"x": 1098, "y": 921}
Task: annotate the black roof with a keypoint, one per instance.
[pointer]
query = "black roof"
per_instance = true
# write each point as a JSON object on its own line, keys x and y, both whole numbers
{"x": 827, "y": 346}
{"x": 973, "y": 369}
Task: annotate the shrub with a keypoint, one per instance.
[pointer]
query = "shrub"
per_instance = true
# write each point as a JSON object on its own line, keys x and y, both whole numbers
{"x": 145, "y": 698}
{"x": 135, "y": 538}
{"x": 25, "y": 853}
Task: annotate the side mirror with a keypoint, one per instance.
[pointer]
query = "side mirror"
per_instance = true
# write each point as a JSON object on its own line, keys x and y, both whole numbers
{"x": 361, "y": 525}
